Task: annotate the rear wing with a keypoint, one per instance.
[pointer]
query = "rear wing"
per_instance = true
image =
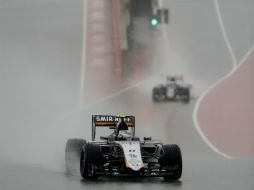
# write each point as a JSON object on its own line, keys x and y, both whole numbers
{"x": 175, "y": 77}
{"x": 110, "y": 121}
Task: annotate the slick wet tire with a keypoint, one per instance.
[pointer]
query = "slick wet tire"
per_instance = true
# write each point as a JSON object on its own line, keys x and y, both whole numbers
{"x": 172, "y": 158}
{"x": 155, "y": 98}
{"x": 72, "y": 155}
{"x": 186, "y": 96}
{"x": 91, "y": 158}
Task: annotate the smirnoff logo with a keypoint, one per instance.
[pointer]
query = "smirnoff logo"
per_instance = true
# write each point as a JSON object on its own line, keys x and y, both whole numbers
{"x": 104, "y": 118}
{"x": 107, "y": 118}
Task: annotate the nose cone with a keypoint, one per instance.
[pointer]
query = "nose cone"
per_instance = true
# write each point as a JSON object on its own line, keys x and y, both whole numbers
{"x": 132, "y": 154}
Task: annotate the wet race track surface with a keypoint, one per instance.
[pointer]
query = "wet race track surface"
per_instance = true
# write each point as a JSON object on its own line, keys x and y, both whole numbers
{"x": 196, "y": 49}
{"x": 198, "y": 174}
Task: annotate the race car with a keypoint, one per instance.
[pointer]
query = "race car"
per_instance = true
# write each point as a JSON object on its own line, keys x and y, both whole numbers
{"x": 122, "y": 153}
{"x": 173, "y": 90}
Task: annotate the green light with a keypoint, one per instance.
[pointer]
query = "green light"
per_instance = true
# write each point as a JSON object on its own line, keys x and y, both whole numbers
{"x": 154, "y": 22}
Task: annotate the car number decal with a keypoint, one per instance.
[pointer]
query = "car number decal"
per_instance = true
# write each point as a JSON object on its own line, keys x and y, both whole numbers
{"x": 132, "y": 154}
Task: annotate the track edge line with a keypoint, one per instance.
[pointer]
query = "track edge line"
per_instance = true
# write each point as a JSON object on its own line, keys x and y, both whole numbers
{"x": 201, "y": 98}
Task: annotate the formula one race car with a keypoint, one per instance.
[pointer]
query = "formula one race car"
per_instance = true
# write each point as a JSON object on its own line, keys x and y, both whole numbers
{"x": 122, "y": 153}
{"x": 173, "y": 90}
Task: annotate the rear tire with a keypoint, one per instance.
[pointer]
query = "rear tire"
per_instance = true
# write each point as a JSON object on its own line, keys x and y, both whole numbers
{"x": 172, "y": 158}
{"x": 91, "y": 158}
{"x": 72, "y": 155}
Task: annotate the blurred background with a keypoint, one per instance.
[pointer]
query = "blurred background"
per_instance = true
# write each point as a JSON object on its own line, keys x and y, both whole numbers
{"x": 62, "y": 61}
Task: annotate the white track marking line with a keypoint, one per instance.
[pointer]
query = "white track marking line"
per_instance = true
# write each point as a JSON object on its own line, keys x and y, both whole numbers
{"x": 234, "y": 64}
{"x": 198, "y": 102}
{"x": 195, "y": 115}
{"x": 234, "y": 67}
{"x": 224, "y": 33}
{"x": 83, "y": 64}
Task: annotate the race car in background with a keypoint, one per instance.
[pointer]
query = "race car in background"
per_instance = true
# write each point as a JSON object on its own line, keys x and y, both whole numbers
{"x": 173, "y": 90}
{"x": 122, "y": 153}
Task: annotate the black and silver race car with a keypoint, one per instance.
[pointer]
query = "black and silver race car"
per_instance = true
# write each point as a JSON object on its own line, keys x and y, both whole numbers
{"x": 122, "y": 153}
{"x": 173, "y": 90}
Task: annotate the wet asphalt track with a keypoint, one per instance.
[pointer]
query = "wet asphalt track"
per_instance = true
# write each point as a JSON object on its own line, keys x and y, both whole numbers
{"x": 196, "y": 49}
{"x": 198, "y": 174}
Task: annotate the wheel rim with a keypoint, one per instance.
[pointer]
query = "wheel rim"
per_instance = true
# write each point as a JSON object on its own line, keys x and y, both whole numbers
{"x": 91, "y": 171}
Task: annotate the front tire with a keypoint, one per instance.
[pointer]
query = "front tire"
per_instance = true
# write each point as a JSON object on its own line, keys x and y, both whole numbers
{"x": 155, "y": 95}
{"x": 172, "y": 158}
{"x": 186, "y": 96}
{"x": 91, "y": 158}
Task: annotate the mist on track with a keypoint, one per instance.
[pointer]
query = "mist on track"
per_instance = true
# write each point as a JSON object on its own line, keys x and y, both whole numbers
{"x": 40, "y": 62}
